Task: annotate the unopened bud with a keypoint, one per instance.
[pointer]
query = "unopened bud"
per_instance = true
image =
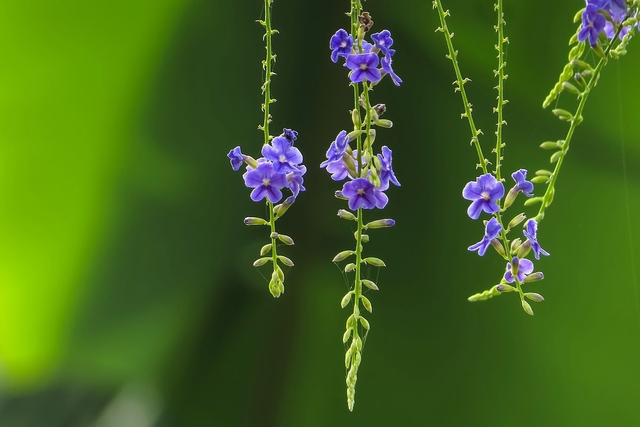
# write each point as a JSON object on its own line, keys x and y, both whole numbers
{"x": 365, "y": 323}
{"x": 365, "y": 237}
{"x": 349, "y": 268}
{"x": 250, "y": 161}
{"x": 503, "y": 287}
{"x": 524, "y": 249}
{"x": 534, "y": 277}
{"x": 346, "y": 215}
{"x": 498, "y": 247}
{"x": 563, "y": 114}
{"x": 343, "y": 255}
{"x": 384, "y": 123}
{"x": 369, "y": 284}
{"x": 286, "y": 261}
{"x": 286, "y": 240}
{"x": 354, "y": 134}
{"x": 534, "y": 297}
{"x": 517, "y": 220}
{"x": 266, "y": 249}
{"x": 255, "y": 221}
{"x": 549, "y": 145}
{"x": 380, "y": 109}
{"x": 282, "y": 208}
{"x": 527, "y": 308}
{"x": 381, "y": 223}
{"x": 511, "y": 197}
{"x": 355, "y": 118}
{"x": 366, "y": 303}
{"x": 346, "y": 300}
{"x": 340, "y": 196}
{"x": 570, "y": 88}
{"x": 261, "y": 261}
{"x": 515, "y": 245}
{"x": 376, "y": 262}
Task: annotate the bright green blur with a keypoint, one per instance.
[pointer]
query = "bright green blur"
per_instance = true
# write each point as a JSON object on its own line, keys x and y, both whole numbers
{"x": 127, "y": 296}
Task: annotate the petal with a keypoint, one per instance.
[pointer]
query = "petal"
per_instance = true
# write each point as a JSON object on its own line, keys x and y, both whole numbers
{"x": 497, "y": 192}
{"x": 357, "y": 76}
{"x": 273, "y": 194}
{"x": 526, "y": 267}
{"x": 373, "y": 74}
{"x": 253, "y": 178}
{"x": 472, "y": 191}
{"x": 278, "y": 180}
{"x": 355, "y": 202}
{"x": 270, "y": 153}
{"x": 294, "y": 156}
{"x": 508, "y": 277}
{"x": 493, "y": 229}
{"x": 475, "y": 247}
{"x": 259, "y": 193}
{"x": 490, "y": 207}
{"x": 381, "y": 199}
{"x": 349, "y": 190}
{"x": 475, "y": 209}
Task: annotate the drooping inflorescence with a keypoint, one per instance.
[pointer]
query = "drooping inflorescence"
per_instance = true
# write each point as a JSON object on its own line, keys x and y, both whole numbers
{"x": 279, "y": 168}
{"x": 607, "y": 27}
{"x": 351, "y": 157}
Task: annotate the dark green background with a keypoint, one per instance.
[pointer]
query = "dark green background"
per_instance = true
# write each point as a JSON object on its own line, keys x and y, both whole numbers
{"x": 127, "y": 294}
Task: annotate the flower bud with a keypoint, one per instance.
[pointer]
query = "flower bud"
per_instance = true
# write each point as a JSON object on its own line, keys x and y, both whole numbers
{"x": 524, "y": 249}
{"x": 498, "y": 247}
{"x": 503, "y": 287}
{"x": 534, "y": 277}
{"x": 369, "y": 284}
{"x": 346, "y": 336}
{"x": 354, "y": 134}
{"x": 540, "y": 179}
{"x": 563, "y": 114}
{"x": 517, "y": 220}
{"x": 282, "y": 208}
{"x": 527, "y": 308}
{"x": 376, "y": 262}
{"x": 366, "y": 303}
{"x": 349, "y": 268}
{"x": 533, "y": 201}
{"x": 570, "y": 88}
{"x": 365, "y": 237}
{"x": 384, "y": 123}
{"x": 365, "y": 323}
{"x": 273, "y": 235}
{"x": 381, "y": 223}
{"x": 276, "y": 288}
{"x": 261, "y": 261}
{"x": 515, "y": 245}
{"x": 343, "y": 255}
{"x": 340, "y": 196}
{"x": 266, "y": 249}
{"x": 534, "y": 297}
{"x": 511, "y": 197}
{"x": 556, "y": 156}
{"x": 355, "y": 118}
{"x": 549, "y": 145}
{"x": 346, "y": 300}
{"x": 286, "y": 261}
{"x": 255, "y": 221}
{"x": 347, "y": 215}
{"x": 286, "y": 240}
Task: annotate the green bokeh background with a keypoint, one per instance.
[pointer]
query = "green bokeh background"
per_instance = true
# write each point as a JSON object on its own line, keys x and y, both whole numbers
{"x": 127, "y": 296}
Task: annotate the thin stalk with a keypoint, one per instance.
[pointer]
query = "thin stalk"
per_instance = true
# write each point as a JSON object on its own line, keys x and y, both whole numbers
{"x": 460, "y": 81}
{"x": 501, "y": 77}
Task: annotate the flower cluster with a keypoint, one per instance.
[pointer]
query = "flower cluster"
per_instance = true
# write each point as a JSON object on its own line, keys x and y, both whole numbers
{"x": 279, "y": 168}
{"x": 486, "y": 194}
{"x": 363, "y": 58}
{"x": 604, "y": 17}
{"x": 367, "y": 175}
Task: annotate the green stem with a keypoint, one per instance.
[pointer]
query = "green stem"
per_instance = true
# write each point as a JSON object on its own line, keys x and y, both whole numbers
{"x": 500, "y": 87}
{"x": 272, "y": 222}
{"x": 267, "y": 72}
{"x": 577, "y": 119}
{"x": 453, "y": 55}
{"x": 367, "y": 106}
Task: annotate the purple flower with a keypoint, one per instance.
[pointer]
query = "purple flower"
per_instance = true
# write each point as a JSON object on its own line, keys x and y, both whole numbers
{"x": 338, "y": 170}
{"x": 383, "y": 41}
{"x": 530, "y": 232}
{"x": 284, "y": 156}
{"x": 364, "y": 67}
{"x": 484, "y": 193}
{"x": 386, "y": 172}
{"x": 296, "y": 180}
{"x": 600, "y": 4}
{"x": 236, "y": 157}
{"x": 618, "y": 6}
{"x": 363, "y": 194}
{"x": 266, "y": 182}
{"x": 340, "y": 45}
{"x": 520, "y": 177}
{"x": 593, "y": 24}
{"x": 523, "y": 266}
{"x": 336, "y": 149}
{"x": 290, "y": 134}
{"x": 492, "y": 231}
{"x": 386, "y": 66}
{"x": 611, "y": 28}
